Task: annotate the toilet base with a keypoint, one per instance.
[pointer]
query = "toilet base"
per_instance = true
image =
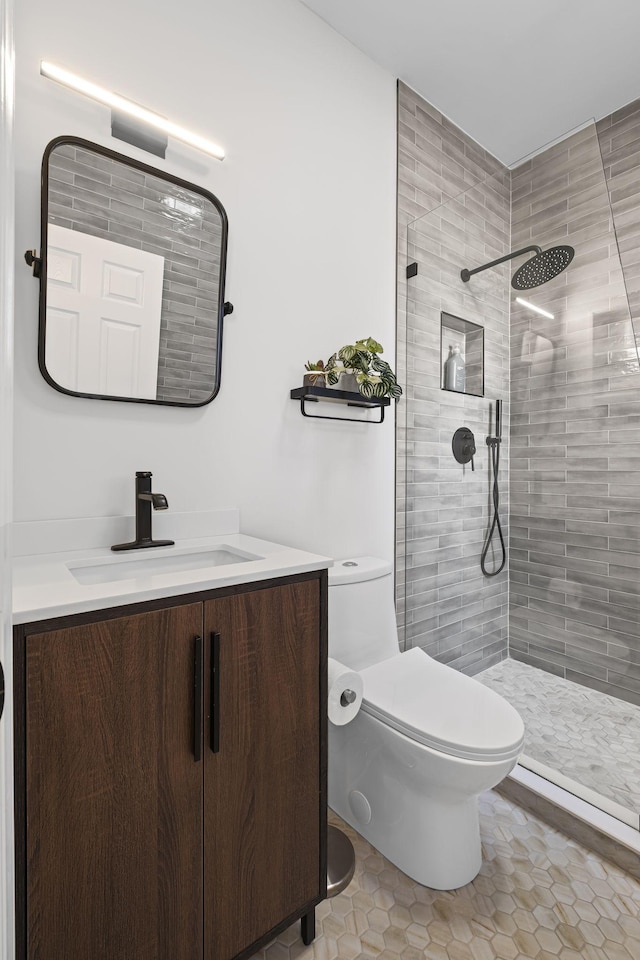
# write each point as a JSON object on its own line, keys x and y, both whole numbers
{"x": 440, "y": 849}
{"x": 445, "y": 852}
{"x": 417, "y": 807}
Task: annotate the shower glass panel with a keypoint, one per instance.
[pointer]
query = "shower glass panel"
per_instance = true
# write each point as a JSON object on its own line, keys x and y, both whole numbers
{"x": 575, "y": 545}
{"x": 558, "y": 632}
{"x": 451, "y": 610}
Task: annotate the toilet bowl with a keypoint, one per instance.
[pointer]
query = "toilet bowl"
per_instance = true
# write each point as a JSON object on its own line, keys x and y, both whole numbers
{"x": 407, "y": 771}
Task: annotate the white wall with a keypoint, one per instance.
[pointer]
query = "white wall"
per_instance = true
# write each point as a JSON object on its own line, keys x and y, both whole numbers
{"x": 308, "y": 123}
{"x": 7, "y": 951}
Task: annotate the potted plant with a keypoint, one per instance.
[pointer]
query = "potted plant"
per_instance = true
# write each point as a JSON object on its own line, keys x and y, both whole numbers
{"x": 317, "y": 376}
{"x": 339, "y": 376}
{"x": 374, "y": 378}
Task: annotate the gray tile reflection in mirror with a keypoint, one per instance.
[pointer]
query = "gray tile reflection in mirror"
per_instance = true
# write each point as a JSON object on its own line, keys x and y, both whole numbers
{"x": 96, "y": 195}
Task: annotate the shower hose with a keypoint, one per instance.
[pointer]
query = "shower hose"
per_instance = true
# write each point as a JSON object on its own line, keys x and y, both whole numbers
{"x": 494, "y": 447}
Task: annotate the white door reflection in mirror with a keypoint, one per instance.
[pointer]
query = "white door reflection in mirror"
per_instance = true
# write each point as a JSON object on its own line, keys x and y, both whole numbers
{"x": 104, "y": 303}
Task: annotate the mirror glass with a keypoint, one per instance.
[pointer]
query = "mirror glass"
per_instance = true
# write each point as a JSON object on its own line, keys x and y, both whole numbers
{"x": 132, "y": 279}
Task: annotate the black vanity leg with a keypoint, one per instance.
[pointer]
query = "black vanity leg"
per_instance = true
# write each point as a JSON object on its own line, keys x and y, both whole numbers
{"x": 308, "y": 927}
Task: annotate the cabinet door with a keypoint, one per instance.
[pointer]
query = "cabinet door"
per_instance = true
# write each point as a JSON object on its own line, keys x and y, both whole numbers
{"x": 114, "y": 794}
{"x": 262, "y": 787}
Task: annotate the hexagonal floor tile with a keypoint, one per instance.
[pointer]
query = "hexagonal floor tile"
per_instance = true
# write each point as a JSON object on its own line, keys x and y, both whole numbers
{"x": 538, "y": 895}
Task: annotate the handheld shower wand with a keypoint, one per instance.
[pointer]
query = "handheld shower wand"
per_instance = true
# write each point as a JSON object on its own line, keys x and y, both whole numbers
{"x": 494, "y": 448}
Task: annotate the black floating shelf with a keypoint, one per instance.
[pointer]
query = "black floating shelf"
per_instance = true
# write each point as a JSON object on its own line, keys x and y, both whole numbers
{"x": 345, "y": 397}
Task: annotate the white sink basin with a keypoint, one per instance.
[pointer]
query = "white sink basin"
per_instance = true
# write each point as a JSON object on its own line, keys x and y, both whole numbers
{"x": 132, "y": 567}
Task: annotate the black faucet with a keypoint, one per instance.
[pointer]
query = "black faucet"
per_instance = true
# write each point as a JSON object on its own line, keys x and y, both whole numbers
{"x": 145, "y": 499}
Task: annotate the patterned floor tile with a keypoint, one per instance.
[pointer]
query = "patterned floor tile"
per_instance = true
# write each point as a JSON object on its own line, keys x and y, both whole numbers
{"x": 538, "y": 895}
{"x": 586, "y": 735}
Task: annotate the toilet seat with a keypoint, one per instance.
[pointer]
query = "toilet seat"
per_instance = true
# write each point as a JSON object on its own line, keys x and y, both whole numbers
{"x": 441, "y": 708}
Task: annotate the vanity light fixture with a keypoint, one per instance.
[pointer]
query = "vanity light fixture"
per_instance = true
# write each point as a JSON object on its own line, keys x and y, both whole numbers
{"x": 532, "y": 306}
{"x": 120, "y": 105}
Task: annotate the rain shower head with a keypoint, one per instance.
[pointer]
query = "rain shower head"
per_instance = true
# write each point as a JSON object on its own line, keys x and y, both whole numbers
{"x": 545, "y": 265}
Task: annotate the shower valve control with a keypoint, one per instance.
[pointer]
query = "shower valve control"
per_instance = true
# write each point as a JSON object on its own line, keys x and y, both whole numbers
{"x": 464, "y": 445}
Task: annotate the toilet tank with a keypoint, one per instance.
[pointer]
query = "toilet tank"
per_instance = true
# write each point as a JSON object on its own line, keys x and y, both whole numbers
{"x": 362, "y": 619}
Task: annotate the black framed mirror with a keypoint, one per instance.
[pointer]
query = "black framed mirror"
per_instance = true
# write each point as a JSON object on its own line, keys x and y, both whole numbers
{"x": 132, "y": 273}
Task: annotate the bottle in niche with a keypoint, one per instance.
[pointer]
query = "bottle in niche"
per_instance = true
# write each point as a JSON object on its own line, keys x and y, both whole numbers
{"x": 454, "y": 370}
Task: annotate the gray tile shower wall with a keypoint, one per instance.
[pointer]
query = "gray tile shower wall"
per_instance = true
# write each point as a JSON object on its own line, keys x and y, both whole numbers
{"x": 619, "y": 138}
{"x": 575, "y": 413}
{"x": 457, "y": 198}
{"x": 85, "y": 195}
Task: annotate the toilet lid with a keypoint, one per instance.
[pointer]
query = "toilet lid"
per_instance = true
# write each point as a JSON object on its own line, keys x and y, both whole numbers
{"x": 442, "y": 708}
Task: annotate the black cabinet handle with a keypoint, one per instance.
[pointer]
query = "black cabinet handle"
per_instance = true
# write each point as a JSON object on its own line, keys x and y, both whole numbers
{"x": 215, "y": 692}
{"x": 197, "y": 713}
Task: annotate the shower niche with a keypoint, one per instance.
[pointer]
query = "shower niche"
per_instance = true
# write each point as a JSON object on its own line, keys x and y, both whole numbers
{"x": 461, "y": 355}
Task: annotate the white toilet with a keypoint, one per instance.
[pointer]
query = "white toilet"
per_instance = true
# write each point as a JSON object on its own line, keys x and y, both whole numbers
{"x": 406, "y": 772}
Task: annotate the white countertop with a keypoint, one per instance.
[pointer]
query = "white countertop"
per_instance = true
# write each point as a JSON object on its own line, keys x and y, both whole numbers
{"x": 44, "y": 586}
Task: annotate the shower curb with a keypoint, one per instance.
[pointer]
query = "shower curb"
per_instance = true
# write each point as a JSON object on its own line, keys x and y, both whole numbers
{"x": 577, "y": 819}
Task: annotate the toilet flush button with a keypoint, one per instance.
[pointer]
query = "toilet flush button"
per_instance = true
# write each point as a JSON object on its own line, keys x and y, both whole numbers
{"x": 349, "y": 563}
{"x": 360, "y": 807}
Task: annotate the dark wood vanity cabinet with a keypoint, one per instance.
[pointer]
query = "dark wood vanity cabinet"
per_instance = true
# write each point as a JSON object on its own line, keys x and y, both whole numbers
{"x": 114, "y": 804}
{"x": 171, "y": 775}
{"x": 263, "y": 783}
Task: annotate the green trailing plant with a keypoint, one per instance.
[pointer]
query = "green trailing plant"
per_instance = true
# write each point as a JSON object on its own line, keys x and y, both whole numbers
{"x": 374, "y": 376}
{"x": 333, "y": 370}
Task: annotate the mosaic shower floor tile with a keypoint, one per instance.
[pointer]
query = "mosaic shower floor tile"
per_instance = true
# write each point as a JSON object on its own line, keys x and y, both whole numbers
{"x": 586, "y": 735}
{"x": 538, "y": 895}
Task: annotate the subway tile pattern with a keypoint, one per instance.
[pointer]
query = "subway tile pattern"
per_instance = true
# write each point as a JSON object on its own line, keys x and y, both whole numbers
{"x": 453, "y": 206}
{"x": 619, "y": 138}
{"x": 538, "y": 895}
{"x": 575, "y": 445}
{"x": 589, "y": 736}
{"x": 107, "y": 199}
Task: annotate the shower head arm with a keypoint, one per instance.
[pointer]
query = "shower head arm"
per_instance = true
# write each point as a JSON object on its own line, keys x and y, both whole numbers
{"x": 467, "y": 274}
